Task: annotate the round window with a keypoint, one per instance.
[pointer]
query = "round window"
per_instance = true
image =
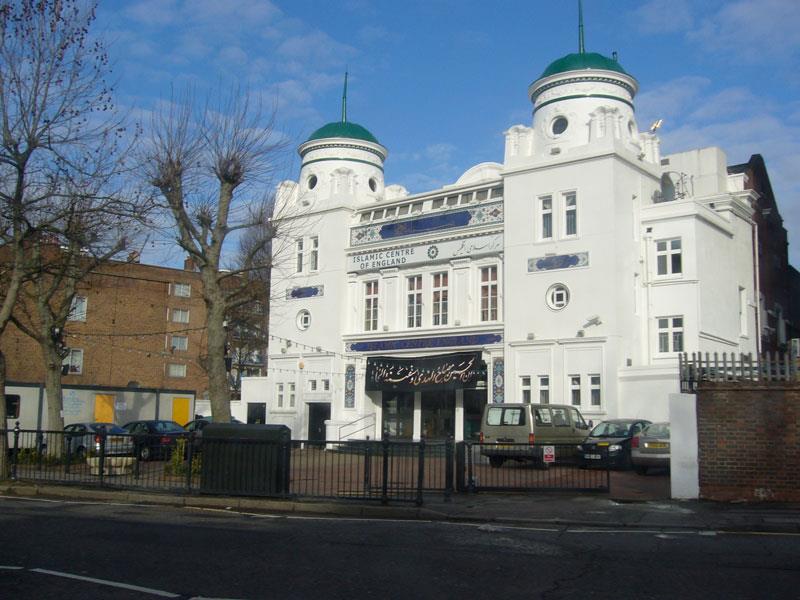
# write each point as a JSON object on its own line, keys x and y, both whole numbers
{"x": 303, "y": 320}
{"x": 559, "y": 125}
{"x": 373, "y": 185}
{"x": 312, "y": 182}
{"x": 557, "y": 296}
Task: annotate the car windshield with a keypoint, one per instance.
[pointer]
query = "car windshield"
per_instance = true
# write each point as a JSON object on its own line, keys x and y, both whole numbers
{"x": 166, "y": 426}
{"x": 607, "y": 429}
{"x": 657, "y": 430}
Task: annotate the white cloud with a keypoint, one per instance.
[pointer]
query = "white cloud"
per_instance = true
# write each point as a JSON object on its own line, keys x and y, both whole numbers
{"x": 317, "y": 48}
{"x": 663, "y": 16}
{"x": 671, "y": 100}
{"x": 751, "y": 29}
{"x": 157, "y": 13}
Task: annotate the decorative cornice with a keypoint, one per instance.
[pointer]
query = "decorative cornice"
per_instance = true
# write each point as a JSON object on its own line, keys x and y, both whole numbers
{"x": 311, "y": 146}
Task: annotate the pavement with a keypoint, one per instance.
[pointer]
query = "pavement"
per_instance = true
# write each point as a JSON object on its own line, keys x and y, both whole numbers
{"x": 502, "y": 509}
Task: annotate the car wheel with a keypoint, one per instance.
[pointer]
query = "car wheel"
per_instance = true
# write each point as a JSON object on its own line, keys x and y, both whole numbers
{"x": 640, "y": 470}
{"x": 145, "y": 453}
{"x": 496, "y": 461}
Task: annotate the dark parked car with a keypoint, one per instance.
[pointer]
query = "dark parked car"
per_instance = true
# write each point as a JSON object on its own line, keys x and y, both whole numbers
{"x": 82, "y": 438}
{"x": 154, "y": 438}
{"x": 197, "y": 427}
{"x": 609, "y": 443}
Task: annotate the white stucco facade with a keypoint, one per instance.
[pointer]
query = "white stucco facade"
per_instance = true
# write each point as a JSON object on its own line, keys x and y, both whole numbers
{"x": 576, "y": 269}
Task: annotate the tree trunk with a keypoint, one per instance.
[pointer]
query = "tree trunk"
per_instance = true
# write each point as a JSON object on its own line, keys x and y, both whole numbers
{"x": 219, "y": 392}
{"x": 52, "y": 386}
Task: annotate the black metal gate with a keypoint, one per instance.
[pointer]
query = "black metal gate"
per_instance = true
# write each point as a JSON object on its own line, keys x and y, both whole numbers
{"x": 526, "y": 467}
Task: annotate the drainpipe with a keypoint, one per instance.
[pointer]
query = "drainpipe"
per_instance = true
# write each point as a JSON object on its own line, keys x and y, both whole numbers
{"x": 757, "y": 294}
{"x": 646, "y": 309}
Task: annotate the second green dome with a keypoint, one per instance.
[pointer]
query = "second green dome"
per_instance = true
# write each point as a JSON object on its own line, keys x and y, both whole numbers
{"x": 343, "y": 129}
{"x": 581, "y": 61}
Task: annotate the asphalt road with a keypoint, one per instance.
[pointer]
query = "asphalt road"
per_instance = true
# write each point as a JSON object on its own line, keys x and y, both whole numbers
{"x": 55, "y": 549}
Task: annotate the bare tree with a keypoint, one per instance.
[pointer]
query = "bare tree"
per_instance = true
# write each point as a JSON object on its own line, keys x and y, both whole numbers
{"x": 213, "y": 167}
{"x": 60, "y": 133}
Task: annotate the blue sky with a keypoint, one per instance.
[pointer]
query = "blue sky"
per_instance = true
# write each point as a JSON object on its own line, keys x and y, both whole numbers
{"x": 439, "y": 81}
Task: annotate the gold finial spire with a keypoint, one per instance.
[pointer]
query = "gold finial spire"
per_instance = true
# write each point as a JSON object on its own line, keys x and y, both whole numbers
{"x": 581, "y": 48}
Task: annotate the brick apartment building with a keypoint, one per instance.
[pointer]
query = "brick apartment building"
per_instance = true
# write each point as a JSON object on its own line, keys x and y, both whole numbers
{"x": 133, "y": 326}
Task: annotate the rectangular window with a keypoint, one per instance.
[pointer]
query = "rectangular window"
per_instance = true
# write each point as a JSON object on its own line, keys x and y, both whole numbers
{"x": 73, "y": 362}
{"x": 575, "y": 389}
{"x": 77, "y": 310}
{"x": 291, "y": 395}
{"x": 12, "y": 406}
{"x": 544, "y": 389}
{"x": 570, "y": 214}
{"x": 279, "y": 394}
{"x": 402, "y": 210}
{"x": 489, "y": 294}
{"x": 440, "y": 298}
{"x": 180, "y": 315}
{"x": 299, "y": 254}
{"x": 668, "y": 257}
{"x": 414, "y": 303}
{"x": 371, "y": 306}
{"x": 314, "y": 257}
{"x": 182, "y": 290}
{"x": 326, "y": 385}
{"x": 180, "y": 342}
{"x": 175, "y": 370}
{"x": 437, "y": 203}
{"x": 312, "y": 385}
{"x": 525, "y": 385}
{"x": 594, "y": 389}
{"x": 546, "y": 212}
{"x": 670, "y": 334}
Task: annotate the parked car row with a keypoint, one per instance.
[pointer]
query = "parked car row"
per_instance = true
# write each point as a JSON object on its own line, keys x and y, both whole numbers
{"x": 147, "y": 439}
{"x": 518, "y": 431}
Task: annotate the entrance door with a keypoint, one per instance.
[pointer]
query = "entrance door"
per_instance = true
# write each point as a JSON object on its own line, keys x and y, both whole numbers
{"x": 438, "y": 414}
{"x": 104, "y": 408}
{"x": 318, "y": 413}
{"x": 257, "y": 412}
{"x": 474, "y": 401}
{"x": 398, "y": 415}
{"x": 180, "y": 410}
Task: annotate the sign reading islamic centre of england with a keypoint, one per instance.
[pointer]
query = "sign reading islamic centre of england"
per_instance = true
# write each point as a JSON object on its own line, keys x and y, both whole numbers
{"x": 424, "y": 253}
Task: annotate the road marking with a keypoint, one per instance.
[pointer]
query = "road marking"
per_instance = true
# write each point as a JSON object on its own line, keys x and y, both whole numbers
{"x": 10, "y": 568}
{"x": 115, "y": 584}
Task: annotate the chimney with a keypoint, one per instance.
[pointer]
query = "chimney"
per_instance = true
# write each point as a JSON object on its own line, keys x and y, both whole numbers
{"x": 133, "y": 257}
{"x": 189, "y": 264}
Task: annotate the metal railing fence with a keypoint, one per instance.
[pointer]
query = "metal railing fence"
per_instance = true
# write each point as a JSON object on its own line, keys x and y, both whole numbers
{"x": 387, "y": 470}
{"x": 699, "y": 367}
{"x": 526, "y": 467}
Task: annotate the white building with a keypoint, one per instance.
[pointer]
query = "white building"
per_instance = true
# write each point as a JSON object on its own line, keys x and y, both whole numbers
{"x": 573, "y": 272}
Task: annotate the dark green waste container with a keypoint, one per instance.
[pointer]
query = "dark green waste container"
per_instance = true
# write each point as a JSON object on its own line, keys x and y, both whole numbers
{"x": 250, "y": 460}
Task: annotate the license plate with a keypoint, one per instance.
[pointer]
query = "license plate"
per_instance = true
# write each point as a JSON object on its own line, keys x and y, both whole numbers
{"x": 592, "y": 456}
{"x": 655, "y": 445}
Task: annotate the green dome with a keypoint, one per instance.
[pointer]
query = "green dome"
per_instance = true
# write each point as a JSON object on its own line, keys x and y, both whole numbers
{"x": 343, "y": 129}
{"x": 581, "y": 61}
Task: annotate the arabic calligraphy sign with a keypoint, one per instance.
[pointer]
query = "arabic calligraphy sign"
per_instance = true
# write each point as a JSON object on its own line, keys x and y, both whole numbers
{"x": 441, "y": 372}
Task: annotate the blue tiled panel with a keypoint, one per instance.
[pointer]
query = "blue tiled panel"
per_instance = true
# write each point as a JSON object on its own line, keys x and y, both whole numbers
{"x": 305, "y": 292}
{"x": 419, "y": 343}
{"x": 350, "y": 386}
{"x": 498, "y": 380}
{"x": 425, "y": 224}
{"x": 562, "y": 261}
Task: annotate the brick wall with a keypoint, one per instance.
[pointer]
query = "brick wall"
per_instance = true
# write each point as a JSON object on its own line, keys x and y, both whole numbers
{"x": 749, "y": 441}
